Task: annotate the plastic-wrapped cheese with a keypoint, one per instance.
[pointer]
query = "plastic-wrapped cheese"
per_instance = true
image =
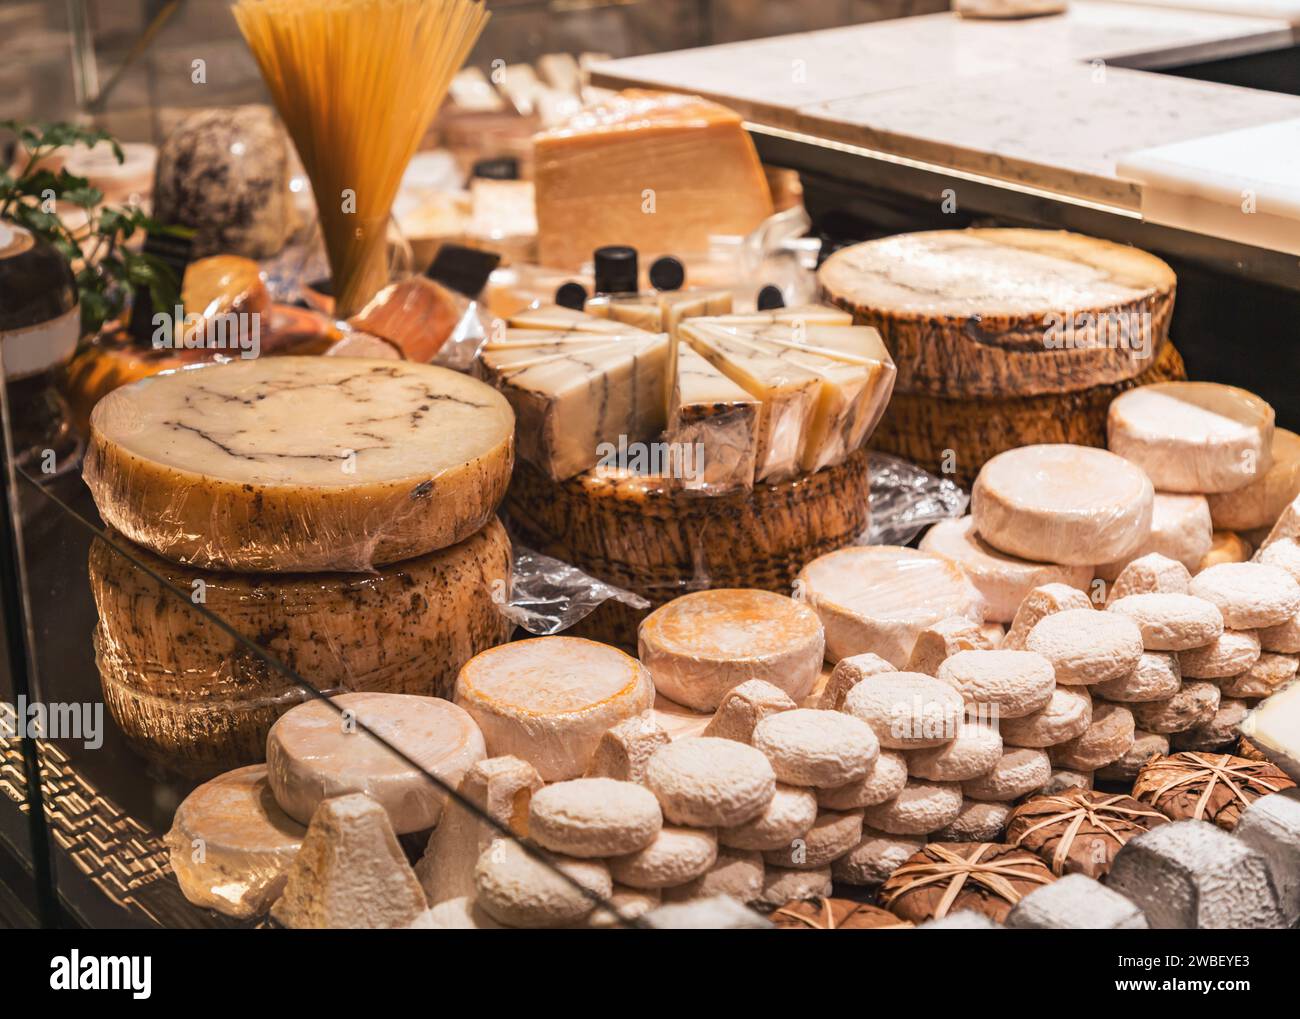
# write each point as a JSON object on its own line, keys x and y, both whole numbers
{"x": 323, "y": 749}
{"x": 300, "y": 464}
{"x": 1003, "y": 580}
{"x": 879, "y": 598}
{"x": 1193, "y": 436}
{"x": 1261, "y": 502}
{"x": 1062, "y": 504}
{"x": 1180, "y": 529}
{"x": 549, "y": 700}
{"x": 699, "y": 646}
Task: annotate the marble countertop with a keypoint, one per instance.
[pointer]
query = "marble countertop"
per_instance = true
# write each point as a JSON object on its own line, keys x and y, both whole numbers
{"x": 1056, "y": 103}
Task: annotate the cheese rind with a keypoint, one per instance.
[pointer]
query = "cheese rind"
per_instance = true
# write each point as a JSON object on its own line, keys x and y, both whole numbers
{"x": 879, "y": 599}
{"x": 1198, "y": 437}
{"x": 300, "y": 463}
{"x": 1261, "y": 502}
{"x": 320, "y": 750}
{"x": 549, "y": 700}
{"x": 699, "y": 646}
{"x": 1073, "y": 505}
{"x": 1180, "y": 529}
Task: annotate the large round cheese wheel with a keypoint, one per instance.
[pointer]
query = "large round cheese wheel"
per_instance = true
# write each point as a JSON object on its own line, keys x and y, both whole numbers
{"x": 1197, "y": 437}
{"x": 550, "y": 699}
{"x": 879, "y": 598}
{"x": 300, "y": 463}
{"x": 230, "y": 844}
{"x": 1261, "y": 502}
{"x": 996, "y": 312}
{"x": 699, "y": 646}
{"x": 1062, "y": 504}
{"x": 1003, "y": 580}
{"x": 320, "y": 750}
{"x": 196, "y": 700}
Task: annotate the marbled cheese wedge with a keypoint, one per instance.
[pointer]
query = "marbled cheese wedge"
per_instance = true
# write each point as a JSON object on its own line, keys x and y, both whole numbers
{"x": 550, "y": 700}
{"x": 300, "y": 464}
{"x": 709, "y": 412}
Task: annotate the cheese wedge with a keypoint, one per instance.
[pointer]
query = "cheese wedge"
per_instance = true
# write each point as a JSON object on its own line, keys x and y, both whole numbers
{"x": 1261, "y": 502}
{"x": 662, "y": 312}
{"x": 807, "y": 314}
{"x": 710, "y": 412}
{"x": 549, "y": 700}
{"x": 300, "y": 464}
{"x": 1273, "y": 726}
{"x": 661, "y": 171}
{"x": 570, "y": 398}
{"x": 556, "y": 318}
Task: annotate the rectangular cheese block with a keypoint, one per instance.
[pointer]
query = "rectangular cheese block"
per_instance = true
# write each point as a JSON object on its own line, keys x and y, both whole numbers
{"x": 809, "y": 314}
{"x": 570, "y": 397}
{"x": 663, "y": 172}
{"x": 711, "y": 412}
{"x": 553, "y": 317}
{"x": 789, "y": 394}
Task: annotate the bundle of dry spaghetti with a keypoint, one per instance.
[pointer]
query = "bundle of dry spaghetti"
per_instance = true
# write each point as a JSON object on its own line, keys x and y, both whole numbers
{"x": 357, "y": 82}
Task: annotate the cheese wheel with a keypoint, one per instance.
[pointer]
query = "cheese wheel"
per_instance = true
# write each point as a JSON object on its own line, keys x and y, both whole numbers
{"x": 1038, "y": 604}
{"x": 1020, "y": 770}
{"x": 1014, "y": 683}
{"x": 979, "y": 821}
{"x": 1108, "y": 738}
{"x": 549, "y": 700}
{"x": 879, "y": 598}
{"x": 922, "y": 807}
{"x": 300, "y": 463}
{"x": 1250, "y": 595}
{"x": 1002, "y": 580}
{"x": 1261, "y": 502}
{"x": 1158, "y": 675}
{"x": 790, "y": 813}
{"x": 1193, "y": 436}
{"x": 1064, "y": 504}
{"x": 1066, "y": 716}
{"x": 975, "y": 749}
{"x": 936, "y": 644}
{"x": 701, "y": 645}
{"x": 1171, "y": 622}
{"x": 323, "y": 749}
{"x": 1086, "y": 646}
{"x": 1180, "y": 530}
{"x": 1232, "y": 653}
{"x": 518, "y": 890}
{"x": 1192, "y": 706}
{"x": 875, "y": 857}
{"x": 1270, "y": 672}
{"x": 1152, "y": 573}
{"x": 987, "y": 312}
{"x": 885, "y": 781}
{"x": 195, "y": 700}
{"x": 832, "y": 835}
{"x": 230, "y": 844}
{"x": 744, "y": 706}
{"x": 1146, "y": 745}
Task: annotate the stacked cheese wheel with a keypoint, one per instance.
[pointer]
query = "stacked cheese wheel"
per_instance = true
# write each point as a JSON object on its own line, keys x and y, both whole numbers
{"x": 1005, "y": 337}
{"x": 337, "y": 513}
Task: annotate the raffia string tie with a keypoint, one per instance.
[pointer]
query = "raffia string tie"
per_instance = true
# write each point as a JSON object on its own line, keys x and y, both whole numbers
{"x": 958, "y": 870}
{"x": 1216, "y": 769}
{"x": 1077, "y": 814}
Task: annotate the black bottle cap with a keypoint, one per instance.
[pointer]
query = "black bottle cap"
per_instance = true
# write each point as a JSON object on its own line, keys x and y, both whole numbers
{"x": 176, "y": 253}
{"x": 497, "y": 168}
{"x": 667, "y": 273}
{"x": 571, "y": 295}
{"x": 464, "y": 270}
{"x": 616, "y": 270}
{"x": 770, "y": 298}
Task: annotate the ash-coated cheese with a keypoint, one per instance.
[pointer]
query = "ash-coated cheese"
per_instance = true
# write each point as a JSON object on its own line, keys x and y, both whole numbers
{"x": 676, "y": 855}
{"x": 1194, "y": 705}
{"x": 737, "y": 873}
{"x": 1002, "y": 580}
{"x": 1200, "y": 437}
{"x": 1225, "y": 547}
{"x": 847, "y": 674}
{"x": 1108, "y": 738}
{"x": 1180, "y": 529}
{"x": 323, "y": 749}
{"x": 1230, "y": 654}
{"x": 1067, "y": 715}
{"x": 626, "y": 748}
{"x": 939, "y": 642}
{"x": 1086, "y": 646}
{"x": 1157, "y": 675}
{"x": 885, "y": 781}
{"x": 1020, "y": 770}
{"x": 1146, "y": 745}
{"x": 350, "y": 872}
{"x": 1170, "y": 622}
{"x": 1152, "y": 573}
{"x": 230, "y": 845}
{"x": 549, "y": 700}
{"x": 1274, "y": 727}
{"x": 699, "y": 646}
{"x": 744, "y": 706}
{"x": 979, "y": 821}
{"x": 1040, "y": 602}
{"x": 875, "y": 857}
{"x": 1261, "y": 502}
{"x": 1064, "y": 779}
{"x": 922, "y": 807}
{"x": 1249, "y": 595}
{"x": 879, "y": 598}
{"x": 590, "y": 817}
{"x": 986, "y": 312}
{"x": 832, "y": 835}
{"x": 1219, "y": 733}
{"x": 300, "y": 463}
{"x": 813, "y": 747}
{"x": 1015, "y": 683}
{"x": 974, "y": 751}
{"x": 1270, "y": 673}
{"x": 709, "y": 782}
{"x": 1064, "y": 504}
{"x": 790, "y": 813}
{"x": 782, "y": 884}
{"x": 519, "y": 890}
{"x": 907, "y": 710}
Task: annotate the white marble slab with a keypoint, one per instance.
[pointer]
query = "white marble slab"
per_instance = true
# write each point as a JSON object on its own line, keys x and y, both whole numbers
{"x": 1243, "y": 185}
{"x": 1063, "y": 130}
{"x": 1287, "y": 10}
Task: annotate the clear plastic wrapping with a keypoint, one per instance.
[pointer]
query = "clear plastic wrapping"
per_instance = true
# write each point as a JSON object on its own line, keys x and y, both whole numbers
{"x": 905, "y": 499}
{"x": 548, "y": 596}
